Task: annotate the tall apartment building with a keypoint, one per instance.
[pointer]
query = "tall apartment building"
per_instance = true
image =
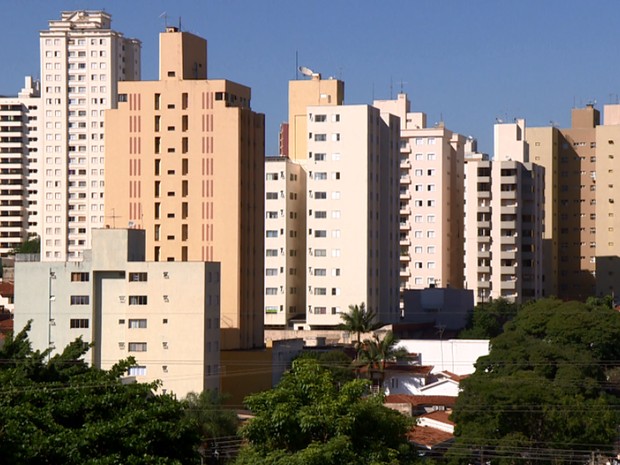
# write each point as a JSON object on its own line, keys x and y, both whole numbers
{"x": 504, "y": 220}
{"x": 285, "y": 257}
{"x": 166, "y": 315}
{"x": 580, "y": 164}
{"x": 185, "y": 161}
{"x": 352, "y": 212}
{"x": 332, "y": 210}
{"x": 20, "y": 166}
{"x": 82, "y": 60}
{"x": 431, "y": 200}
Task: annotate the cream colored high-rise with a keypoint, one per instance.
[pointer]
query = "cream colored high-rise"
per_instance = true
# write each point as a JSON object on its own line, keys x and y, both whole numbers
{"x": 185, "y": 162}
{"x": 504, "y": 220}
{"x": 82, "y": 60}
{"x": 285, "y": 251}
{"x": 20, "y": 163}
{"x": 352, "y": 212}
{"x": 431, "y": 200}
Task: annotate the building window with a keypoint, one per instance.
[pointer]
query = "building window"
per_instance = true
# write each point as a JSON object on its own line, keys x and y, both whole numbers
{"x": 137, "y": 323}
{"x": 140, "y": 277}
{"x": 137, "y": 370}
{"x": 272, "y": 233}
{"x": 80, "y": 300}
{"x": 137, "y": 300}
{"x": 137, "y": 347}
{"x": 271, "y": 272}
{"x": 78, "y": 323}
{"x": 80, "y": 277}
{"x": 271, "y": 290}
{"x": 271, "y": 252}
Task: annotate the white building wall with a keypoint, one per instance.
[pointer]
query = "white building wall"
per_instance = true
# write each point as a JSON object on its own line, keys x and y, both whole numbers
{"x": 455, "y": 355}
{"x": 82, "y": 60}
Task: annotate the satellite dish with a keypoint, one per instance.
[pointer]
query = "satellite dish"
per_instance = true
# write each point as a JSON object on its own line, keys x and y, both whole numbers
{"x": 306, "y": 71}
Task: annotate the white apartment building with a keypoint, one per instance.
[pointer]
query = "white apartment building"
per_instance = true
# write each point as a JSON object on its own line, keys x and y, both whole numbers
{"x": 431, "y": 200}
{"x": 285, "y": 220}
{"x": 504, "y": 220}
{"x": 165, "y": 314}
{"x": 82, "y": 60}
{"x": 20, "y": 142}
{"x": 351, "y": 212}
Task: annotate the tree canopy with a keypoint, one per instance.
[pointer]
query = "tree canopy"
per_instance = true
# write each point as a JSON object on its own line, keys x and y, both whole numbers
{"x": 31, "y": 245}
{"x": 488, "y": 319}
{"x": 542, "y": 393}
{"x": 307, "y": 419}
{"x": 58, "y": 410}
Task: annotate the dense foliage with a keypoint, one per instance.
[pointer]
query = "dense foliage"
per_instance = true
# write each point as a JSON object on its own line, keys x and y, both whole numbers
{"x": 59, "y": 410}
{"x": 543, "y": 393}
{"x": 307, "y": 419}
{"x": 488, "y": 319}
{"x": 32, "y": 245}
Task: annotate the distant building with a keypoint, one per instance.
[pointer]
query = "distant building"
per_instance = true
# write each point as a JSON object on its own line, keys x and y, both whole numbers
{"x": 446, "y": 308}
{"x": 504, "y": 220}
{"x": 430, "y": 198}
{"x": 332, "y": 211}
{"x": 165, "y": 314}
{"x": 82, "y": 61}
{"x": 185, "y": 162}
{"x": 20, "y": 166}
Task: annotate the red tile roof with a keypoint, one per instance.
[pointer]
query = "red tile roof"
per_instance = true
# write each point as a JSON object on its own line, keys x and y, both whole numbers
{"x": 423, "y": 370}
{"x": 6, "y": 325}
{"x": 454, "y": 376}
{"x": 438, "y": 415}
{"x": 428, "y": 437}
{"x": 416, "y": 400}
{"x": 6, "y": 288}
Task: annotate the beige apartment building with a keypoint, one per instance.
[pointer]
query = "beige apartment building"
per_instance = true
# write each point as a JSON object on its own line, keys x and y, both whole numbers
{"x": 352, "y": 212}
{"x": 285, "y": 251}
{"x": 504, "y": 220}
{"x": 431, "y": 200}
{"x": 164, "y": 314}
{"x": 20, "y": 166}
{"x": 581, "y": 225}
{"x": 185, "y": 162}
{"x": 82, "y": 61}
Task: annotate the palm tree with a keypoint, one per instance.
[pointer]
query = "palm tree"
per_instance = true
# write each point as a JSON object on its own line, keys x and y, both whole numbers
{"x": 376, "y": 352}
{"x": 359, "y": 320}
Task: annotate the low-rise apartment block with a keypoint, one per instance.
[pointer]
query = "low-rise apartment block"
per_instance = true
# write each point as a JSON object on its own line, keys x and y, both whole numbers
{"x": 165, "y": 314}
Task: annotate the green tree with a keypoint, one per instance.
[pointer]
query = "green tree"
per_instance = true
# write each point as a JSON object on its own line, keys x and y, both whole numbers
{"x": 376, "y": 352}
{"x": 359, "y": 320}
{"x": 32, "y": 245}
{"x": 488, "y": 319}
{"x": 215, "y": 422}
{"x": 543, "y": 387}
{"x": 336, "y": 361}
{"x": 62, "y": 411}
{"x": 307, "y": 419}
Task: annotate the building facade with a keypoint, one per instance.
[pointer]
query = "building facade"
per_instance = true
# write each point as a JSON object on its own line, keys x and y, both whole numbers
{"x": 351, "y": 212}
{"x": 185, "y": 158}
{"x": 166, "y": 315}
{"x": 285, "y": 224}
{"x": 82, "y": 60}
{"x": 20, "y": 166}
{"x": 431, "y": 200}
{"x": 504, "y": 221}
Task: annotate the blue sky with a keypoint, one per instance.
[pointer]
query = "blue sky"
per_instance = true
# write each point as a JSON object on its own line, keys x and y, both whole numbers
{"x": 467, "y": 62}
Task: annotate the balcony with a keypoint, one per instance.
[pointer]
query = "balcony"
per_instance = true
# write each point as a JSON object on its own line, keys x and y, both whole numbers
{"x": 405, "y": 273}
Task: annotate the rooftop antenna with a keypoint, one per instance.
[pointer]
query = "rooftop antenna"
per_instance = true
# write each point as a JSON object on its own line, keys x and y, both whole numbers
{"x": 180, "y": 29}
{"x": 165, "y": 16}
{"x": 308, "y": 72}
{"x": 114, "y": 216}
{"x": 391, "y": 88}
{"x": 296, "y": 64}
{"x": 402, "y": 86}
